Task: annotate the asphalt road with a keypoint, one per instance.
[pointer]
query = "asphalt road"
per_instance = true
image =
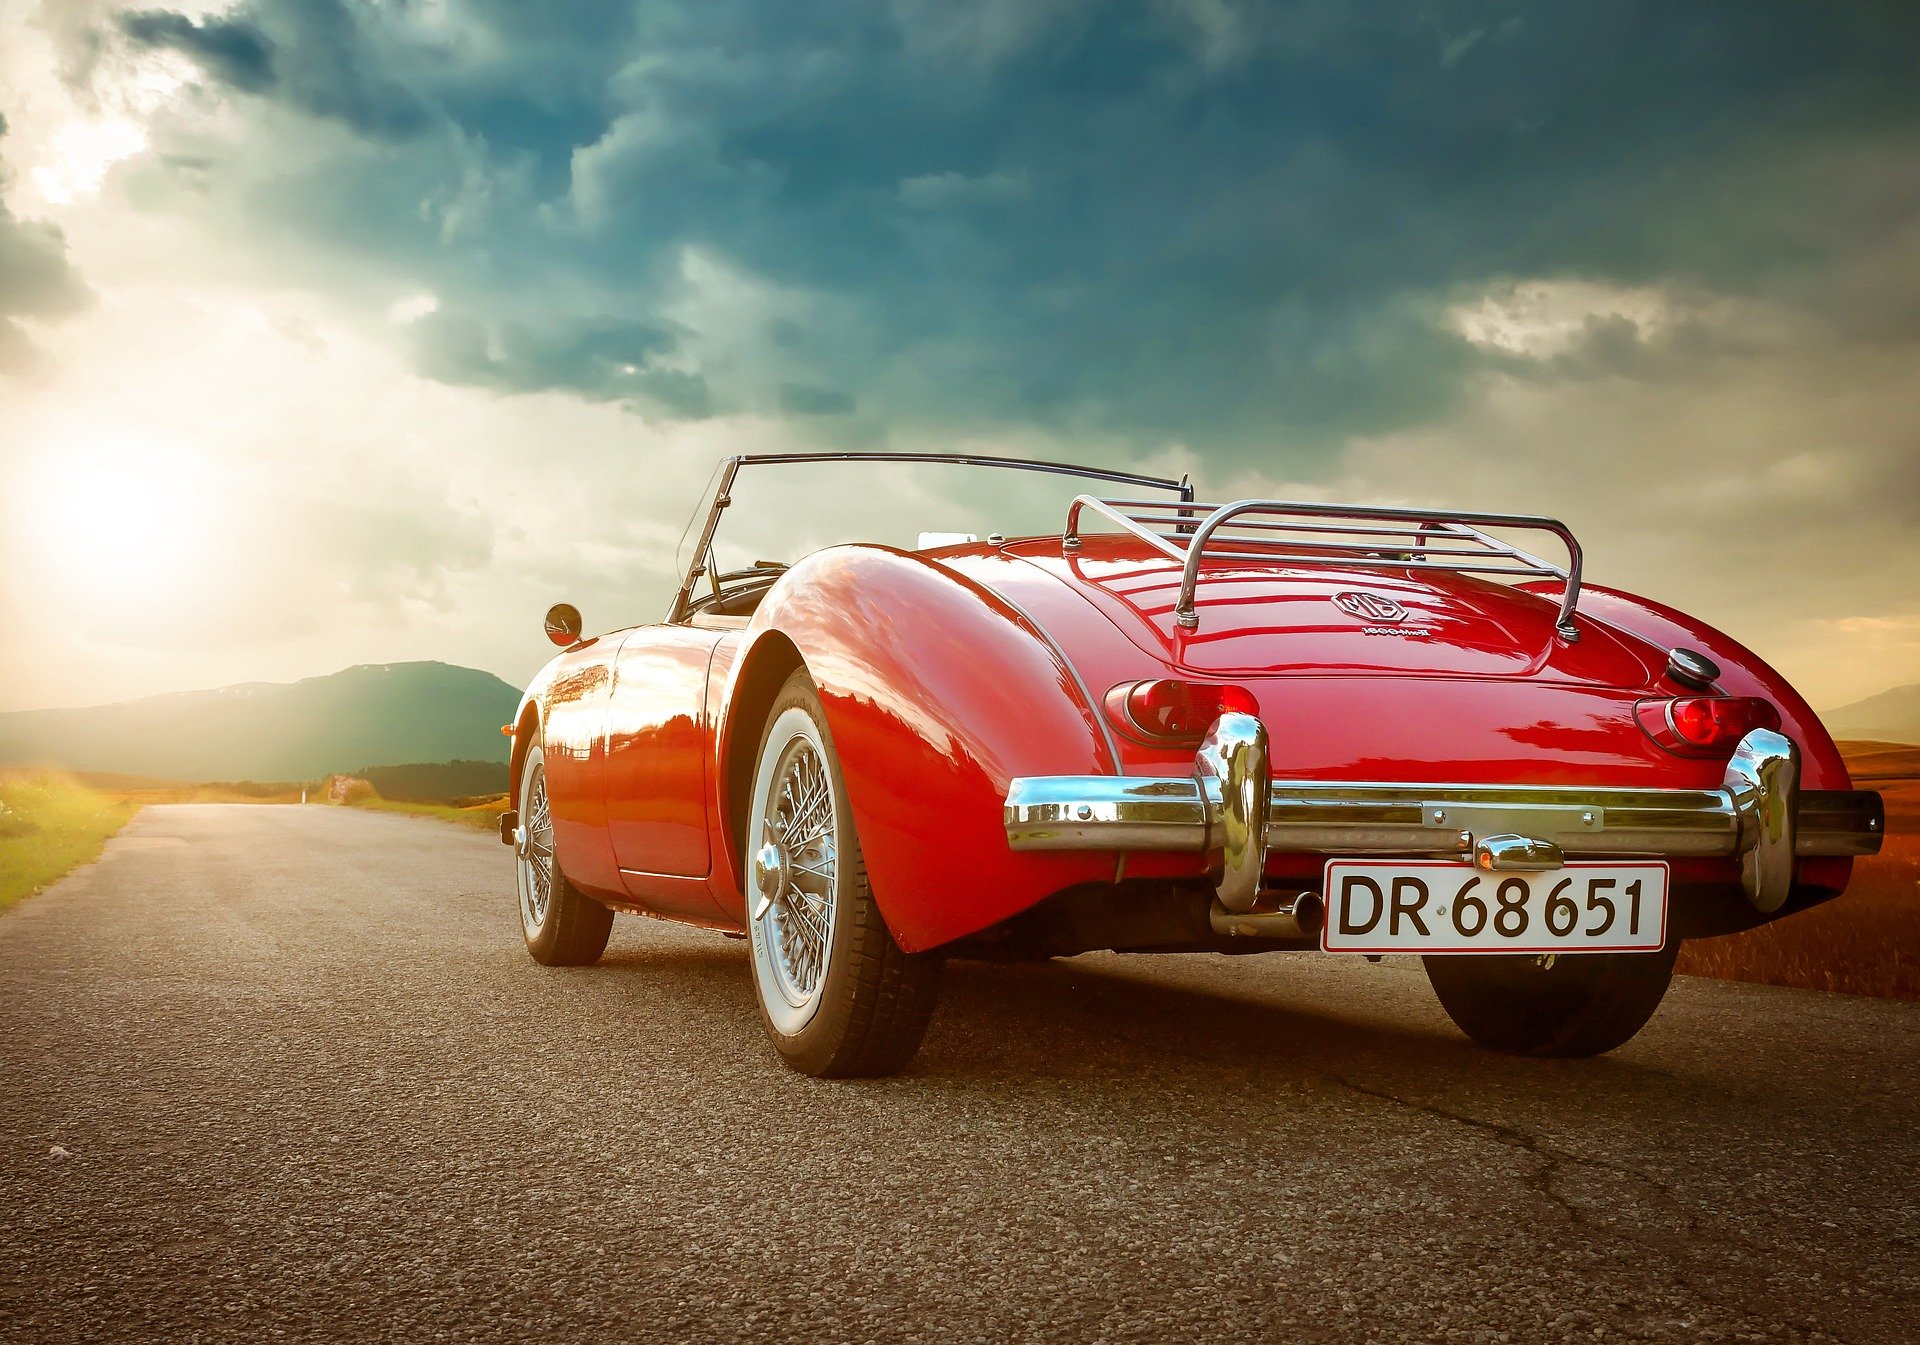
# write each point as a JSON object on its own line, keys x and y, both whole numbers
{"x": 287, "y": 1073}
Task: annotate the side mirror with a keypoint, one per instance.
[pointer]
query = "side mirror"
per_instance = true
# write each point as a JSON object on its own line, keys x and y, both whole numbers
{"x": 563, "y": 624}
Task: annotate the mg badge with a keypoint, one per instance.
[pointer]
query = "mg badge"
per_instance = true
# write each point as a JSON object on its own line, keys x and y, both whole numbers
{"x": 1370, "y": 607}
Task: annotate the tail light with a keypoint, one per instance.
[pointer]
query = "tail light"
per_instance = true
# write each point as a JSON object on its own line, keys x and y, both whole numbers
{"x": 1169, "y": 711}
{"x": 1704, "y": 726}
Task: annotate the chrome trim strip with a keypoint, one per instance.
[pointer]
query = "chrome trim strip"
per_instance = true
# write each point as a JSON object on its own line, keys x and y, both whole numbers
{"x": 1423, "y": 819}
{"x": 1094, "y": 707}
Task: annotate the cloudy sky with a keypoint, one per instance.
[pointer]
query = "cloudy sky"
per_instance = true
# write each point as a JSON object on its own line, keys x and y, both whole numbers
{"x": 335, "y": 331}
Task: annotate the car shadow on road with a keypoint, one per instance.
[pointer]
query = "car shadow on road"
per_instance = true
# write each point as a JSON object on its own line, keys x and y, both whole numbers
{"x": 1095, "y": 1021}
{"x": 1098, "y": 1016}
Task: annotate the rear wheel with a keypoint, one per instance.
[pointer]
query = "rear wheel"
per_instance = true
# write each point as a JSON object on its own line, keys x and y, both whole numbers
{"x": 1572, "y": 1005}
{"x": 564, "y": 927}
{"x": 838, "y": 997}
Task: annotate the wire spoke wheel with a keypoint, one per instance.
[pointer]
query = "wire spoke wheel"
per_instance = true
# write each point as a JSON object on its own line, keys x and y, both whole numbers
{"x": 534, "y": 855}
{"x": 838, "y": 997}
{"x": 564, "y": 925}
{"x": 794, "y": 874}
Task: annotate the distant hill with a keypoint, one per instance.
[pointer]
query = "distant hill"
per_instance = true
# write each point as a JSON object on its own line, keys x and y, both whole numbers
{"x": 377, "y": 714}
{"x": 1892, "y": 716}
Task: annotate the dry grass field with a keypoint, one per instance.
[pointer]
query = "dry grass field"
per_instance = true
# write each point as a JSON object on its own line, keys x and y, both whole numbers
{"x": 140, "y": 789}
{"x": 482, "y": 813}
{"x": 1868, "y": 941}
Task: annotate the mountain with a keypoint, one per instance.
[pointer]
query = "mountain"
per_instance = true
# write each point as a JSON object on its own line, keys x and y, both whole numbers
{"x": 1892, "y": 716}
{"x": 377, "y": 714}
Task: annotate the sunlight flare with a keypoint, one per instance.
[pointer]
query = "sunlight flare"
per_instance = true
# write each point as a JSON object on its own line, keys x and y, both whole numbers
{"x": 114, "y": 523}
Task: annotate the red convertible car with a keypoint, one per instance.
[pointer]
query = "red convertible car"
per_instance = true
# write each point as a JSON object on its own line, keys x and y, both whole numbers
{"x": 1174, "y": 727}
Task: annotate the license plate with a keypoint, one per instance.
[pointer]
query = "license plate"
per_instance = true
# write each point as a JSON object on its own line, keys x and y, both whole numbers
{"x": 1391, "y": 906}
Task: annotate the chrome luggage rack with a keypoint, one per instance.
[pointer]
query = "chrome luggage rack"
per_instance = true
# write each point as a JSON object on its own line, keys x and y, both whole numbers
{"x": 1287, "y": 533}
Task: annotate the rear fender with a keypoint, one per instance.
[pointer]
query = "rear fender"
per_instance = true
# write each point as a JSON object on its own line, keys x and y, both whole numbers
{"x": 937, "y": 694}
{"x": 1742, "y": 673}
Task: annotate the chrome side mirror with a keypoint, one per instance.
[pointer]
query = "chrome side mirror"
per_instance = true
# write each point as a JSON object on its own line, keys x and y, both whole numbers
{"x": 563, "y": 624}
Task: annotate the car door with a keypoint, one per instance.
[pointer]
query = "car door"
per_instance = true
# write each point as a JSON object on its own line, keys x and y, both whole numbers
{"x": 657, "y": 745}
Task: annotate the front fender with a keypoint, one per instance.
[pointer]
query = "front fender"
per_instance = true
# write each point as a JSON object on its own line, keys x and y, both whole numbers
{"x": 937, "y": 694}
{"x": 564, "y": 710}
{"x": 526, "y": 731}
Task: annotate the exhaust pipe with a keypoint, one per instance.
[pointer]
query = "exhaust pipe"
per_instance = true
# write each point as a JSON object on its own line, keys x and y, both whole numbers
{"x": 1297, "y": 915}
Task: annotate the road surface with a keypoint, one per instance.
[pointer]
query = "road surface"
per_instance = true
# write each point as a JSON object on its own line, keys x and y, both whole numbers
{"x": 287, "y": 1073}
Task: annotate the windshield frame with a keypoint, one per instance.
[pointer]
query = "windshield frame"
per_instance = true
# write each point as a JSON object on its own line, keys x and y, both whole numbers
{"x": 701, "y": 563}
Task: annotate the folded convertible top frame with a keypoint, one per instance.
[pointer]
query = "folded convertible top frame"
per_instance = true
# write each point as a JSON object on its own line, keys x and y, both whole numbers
{"x": 1293, "y": 532}
{"x": 730, "y": 468}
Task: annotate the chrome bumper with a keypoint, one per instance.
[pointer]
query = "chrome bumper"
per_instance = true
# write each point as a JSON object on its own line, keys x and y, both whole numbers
{"x": 1232, "y": 810}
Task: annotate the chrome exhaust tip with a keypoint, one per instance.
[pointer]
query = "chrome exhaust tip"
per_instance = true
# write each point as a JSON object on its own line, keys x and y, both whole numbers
{"x": 1298, "y": 915}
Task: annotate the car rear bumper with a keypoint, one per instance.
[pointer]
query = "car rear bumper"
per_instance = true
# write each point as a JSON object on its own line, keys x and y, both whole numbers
{"x": 1232, "y": 810}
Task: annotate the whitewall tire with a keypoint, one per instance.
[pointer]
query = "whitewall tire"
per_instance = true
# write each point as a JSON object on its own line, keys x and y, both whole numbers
{"x": 837, "y": 996}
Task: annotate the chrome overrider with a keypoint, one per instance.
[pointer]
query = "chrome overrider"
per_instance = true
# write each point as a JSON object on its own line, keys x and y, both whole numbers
{"x": 1232, "y": 810}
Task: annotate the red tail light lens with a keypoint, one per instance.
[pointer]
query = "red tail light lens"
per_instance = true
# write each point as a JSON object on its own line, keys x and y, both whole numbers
{"x": 1166, "y": 710}
{"x": 1705, "y": 726}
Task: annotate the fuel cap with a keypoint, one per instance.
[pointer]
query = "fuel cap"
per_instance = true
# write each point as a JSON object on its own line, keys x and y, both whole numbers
{"x": 1691, "y": 668}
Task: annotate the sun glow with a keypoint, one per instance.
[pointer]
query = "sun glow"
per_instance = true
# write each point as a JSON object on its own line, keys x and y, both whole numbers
{"x": 114, "y": 529}
{"x": 83, "y": 152}
{"x": 68, "y": 149}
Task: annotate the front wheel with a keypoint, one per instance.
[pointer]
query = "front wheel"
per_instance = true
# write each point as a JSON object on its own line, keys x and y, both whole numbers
{"x": 838, "y": 997}
{"x": 1575, "y": 1004}
{"x": 564, "y": 927}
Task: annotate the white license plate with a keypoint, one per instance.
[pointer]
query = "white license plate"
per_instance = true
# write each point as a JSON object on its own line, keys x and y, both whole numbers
{"x": 1393, "y": 906}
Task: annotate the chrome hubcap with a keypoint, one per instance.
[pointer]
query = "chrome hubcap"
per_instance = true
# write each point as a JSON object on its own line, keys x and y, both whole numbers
{"x": 793, "y": 874}
{"x": 771, "y": 873}
{"x": 533, "y": 846}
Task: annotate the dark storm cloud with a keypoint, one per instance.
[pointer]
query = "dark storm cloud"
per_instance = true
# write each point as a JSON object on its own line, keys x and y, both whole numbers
{"x": 236, "y": 53}
{"x": 803, "y": 400}
{"x": 36, "y": 281}
{"x": 314, "y": 54}
{"x": 1231, "y": 224}
{"x": 602, "y": 359}
{"x": 586, "y": 358}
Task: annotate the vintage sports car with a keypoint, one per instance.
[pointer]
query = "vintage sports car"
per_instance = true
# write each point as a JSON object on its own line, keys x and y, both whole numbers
{"x": 1173, "y": 727}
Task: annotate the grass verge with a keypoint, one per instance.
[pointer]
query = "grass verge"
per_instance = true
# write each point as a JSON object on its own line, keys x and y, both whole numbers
{"x": 51, "y": 824}
{"x": 482, "y": 816}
